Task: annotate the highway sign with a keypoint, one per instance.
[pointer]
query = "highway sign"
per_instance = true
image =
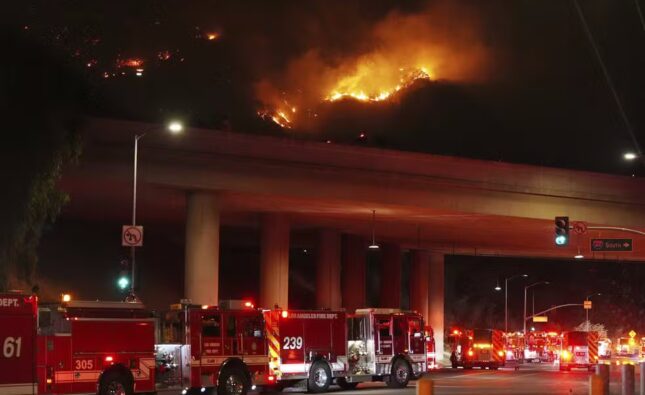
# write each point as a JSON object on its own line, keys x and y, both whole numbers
{"x": 587, "y": 305}
{"x": 131, "y": 236}
{"x": 540, "y": 318}
{"x": 611, "y": 244}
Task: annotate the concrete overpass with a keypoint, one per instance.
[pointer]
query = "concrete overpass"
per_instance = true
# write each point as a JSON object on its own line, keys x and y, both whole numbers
{"x": 432, "y": 205}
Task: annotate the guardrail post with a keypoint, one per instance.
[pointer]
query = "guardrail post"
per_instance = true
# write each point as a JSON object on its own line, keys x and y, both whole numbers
{"x": 642, "y": 365}
{"x": 603, "y": 371}
{"x": 425, "y": 386}
{"x": 596, "y": 385}
{"x": 627, "y": 377}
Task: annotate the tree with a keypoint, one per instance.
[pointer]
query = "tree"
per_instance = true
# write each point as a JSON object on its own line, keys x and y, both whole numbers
{"x": 41, "y": 97}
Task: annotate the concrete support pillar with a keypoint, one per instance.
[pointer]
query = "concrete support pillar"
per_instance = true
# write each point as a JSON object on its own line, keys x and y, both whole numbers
{"x": 201, "y": 271}
{"x": 274, "y": 261}
{"x": 391, "y": 269}
{"x": 436, "y": 301}
{"x": 328, "y": 270}
{"x": 419, "y": 280}
{"x": 354, "y": 272}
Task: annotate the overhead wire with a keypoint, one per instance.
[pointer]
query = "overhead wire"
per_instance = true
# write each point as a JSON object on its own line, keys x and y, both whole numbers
{"x": 609, "y": 81}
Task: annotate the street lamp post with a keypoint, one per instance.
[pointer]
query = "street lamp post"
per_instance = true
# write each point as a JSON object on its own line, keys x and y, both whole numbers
{"x": 174, "y": 128}
{"x": 506, "y": 280}
{"x": 525, "y": 289}
{"x": 587, "y": 310}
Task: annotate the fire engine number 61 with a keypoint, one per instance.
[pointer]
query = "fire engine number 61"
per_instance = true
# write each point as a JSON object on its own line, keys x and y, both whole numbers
{"x": 11, "y": 347}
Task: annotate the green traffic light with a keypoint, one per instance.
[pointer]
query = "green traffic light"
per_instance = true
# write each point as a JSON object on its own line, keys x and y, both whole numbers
{"x": 123, "y": 282}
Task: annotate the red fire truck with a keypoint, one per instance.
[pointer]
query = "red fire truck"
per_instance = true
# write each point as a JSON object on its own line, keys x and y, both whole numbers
{"x": 18, "y": 339}
{"x": 482, "y": 348}
{"x": 80, "y": 347}
{"x": 236, "y": 347}
{"x": 579, "y": 350}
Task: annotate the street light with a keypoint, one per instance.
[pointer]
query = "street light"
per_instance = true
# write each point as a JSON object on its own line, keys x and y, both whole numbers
{"x": 525, "y": 289}
{"x": 587, "y": 310}
{"x": 174, "y": 127}
{"x": 498, "y": 288}
{"x": 630, "y": 156}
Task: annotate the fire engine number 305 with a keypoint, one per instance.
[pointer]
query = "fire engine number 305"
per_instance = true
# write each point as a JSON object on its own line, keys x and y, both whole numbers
{"x": 11, "y": 347}
{"x": 292, "y": 343}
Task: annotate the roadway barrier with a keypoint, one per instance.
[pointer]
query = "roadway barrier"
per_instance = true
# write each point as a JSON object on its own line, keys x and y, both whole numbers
{"x": 425, "y": 386}
{"x": 597, "y": 385}
{"x": 602, "y": 370}
{"x": 642, "y": 365}
{"x": 627, "y": 376}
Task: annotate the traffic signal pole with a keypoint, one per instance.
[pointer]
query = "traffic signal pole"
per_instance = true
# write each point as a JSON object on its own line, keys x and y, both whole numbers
{"x": 547, "y": 310}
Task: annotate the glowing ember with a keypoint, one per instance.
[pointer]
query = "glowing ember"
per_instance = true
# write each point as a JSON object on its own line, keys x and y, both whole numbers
{"x": 368, "y": 85}
{"x": 131, "y": 62}
{"x": 279, "y": 117}
{"x": 212, "y": 36}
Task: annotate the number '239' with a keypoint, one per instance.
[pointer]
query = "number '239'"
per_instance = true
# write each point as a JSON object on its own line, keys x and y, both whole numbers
{"x": 292, "y": 343}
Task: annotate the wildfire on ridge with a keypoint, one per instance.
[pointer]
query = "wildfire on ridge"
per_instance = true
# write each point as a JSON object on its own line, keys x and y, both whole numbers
{"x": 366, "y": 87}
{"x": 281, "y": 117}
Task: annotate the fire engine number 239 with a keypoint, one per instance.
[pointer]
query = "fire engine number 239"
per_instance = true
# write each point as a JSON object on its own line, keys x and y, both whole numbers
{"x": 292, "y": 343}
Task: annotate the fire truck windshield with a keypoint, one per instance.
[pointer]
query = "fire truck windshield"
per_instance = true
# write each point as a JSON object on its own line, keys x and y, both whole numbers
{"x": 577, "y": 338}
{"x": 482, "y": 336}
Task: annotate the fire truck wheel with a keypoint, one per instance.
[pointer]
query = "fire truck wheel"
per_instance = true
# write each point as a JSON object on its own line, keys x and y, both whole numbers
{"x": 400, "y": 375}
{"x": 115, "y": 383}
{"x": 233, "y": 381}
{"x": 319, "y": 377}
{"x": 342, "y": 383}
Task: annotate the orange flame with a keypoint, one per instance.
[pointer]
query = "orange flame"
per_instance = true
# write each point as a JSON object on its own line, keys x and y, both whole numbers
{"x": 364, "y": 87}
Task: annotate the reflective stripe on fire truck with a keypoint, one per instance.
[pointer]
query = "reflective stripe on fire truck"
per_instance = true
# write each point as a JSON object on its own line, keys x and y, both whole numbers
{"x": 592, "y": 346}
{"x": 217, "y": 361}
{"x": 17, "y": 389}
{"x": 146, "y": 365}
{"x": 498, "y": 345}
{"x": 272, "y": 333}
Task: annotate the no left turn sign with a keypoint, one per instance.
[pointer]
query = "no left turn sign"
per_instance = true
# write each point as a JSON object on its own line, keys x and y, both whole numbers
{"x": 131, "y": 236}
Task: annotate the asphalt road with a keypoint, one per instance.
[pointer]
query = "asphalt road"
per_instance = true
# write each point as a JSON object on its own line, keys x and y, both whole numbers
{"x": 530, "y": 379}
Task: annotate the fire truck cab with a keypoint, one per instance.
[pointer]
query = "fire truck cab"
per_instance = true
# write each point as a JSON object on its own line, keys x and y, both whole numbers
{"x": 97, "y": 347}
{"x": 482, "y": 348}
{"x": 212, "y": 347}
{"x": 384, "y": 345}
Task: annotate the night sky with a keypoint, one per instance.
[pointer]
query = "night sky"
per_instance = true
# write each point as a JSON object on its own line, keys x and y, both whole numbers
{"x": 512, "y": 81}
{"x": 516, "y": 81}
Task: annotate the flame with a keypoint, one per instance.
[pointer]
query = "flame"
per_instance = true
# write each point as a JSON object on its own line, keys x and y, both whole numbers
{"x": 131, "y": 62}
{"x": 363, "y": 86}
{"x": 282, "y": 117}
